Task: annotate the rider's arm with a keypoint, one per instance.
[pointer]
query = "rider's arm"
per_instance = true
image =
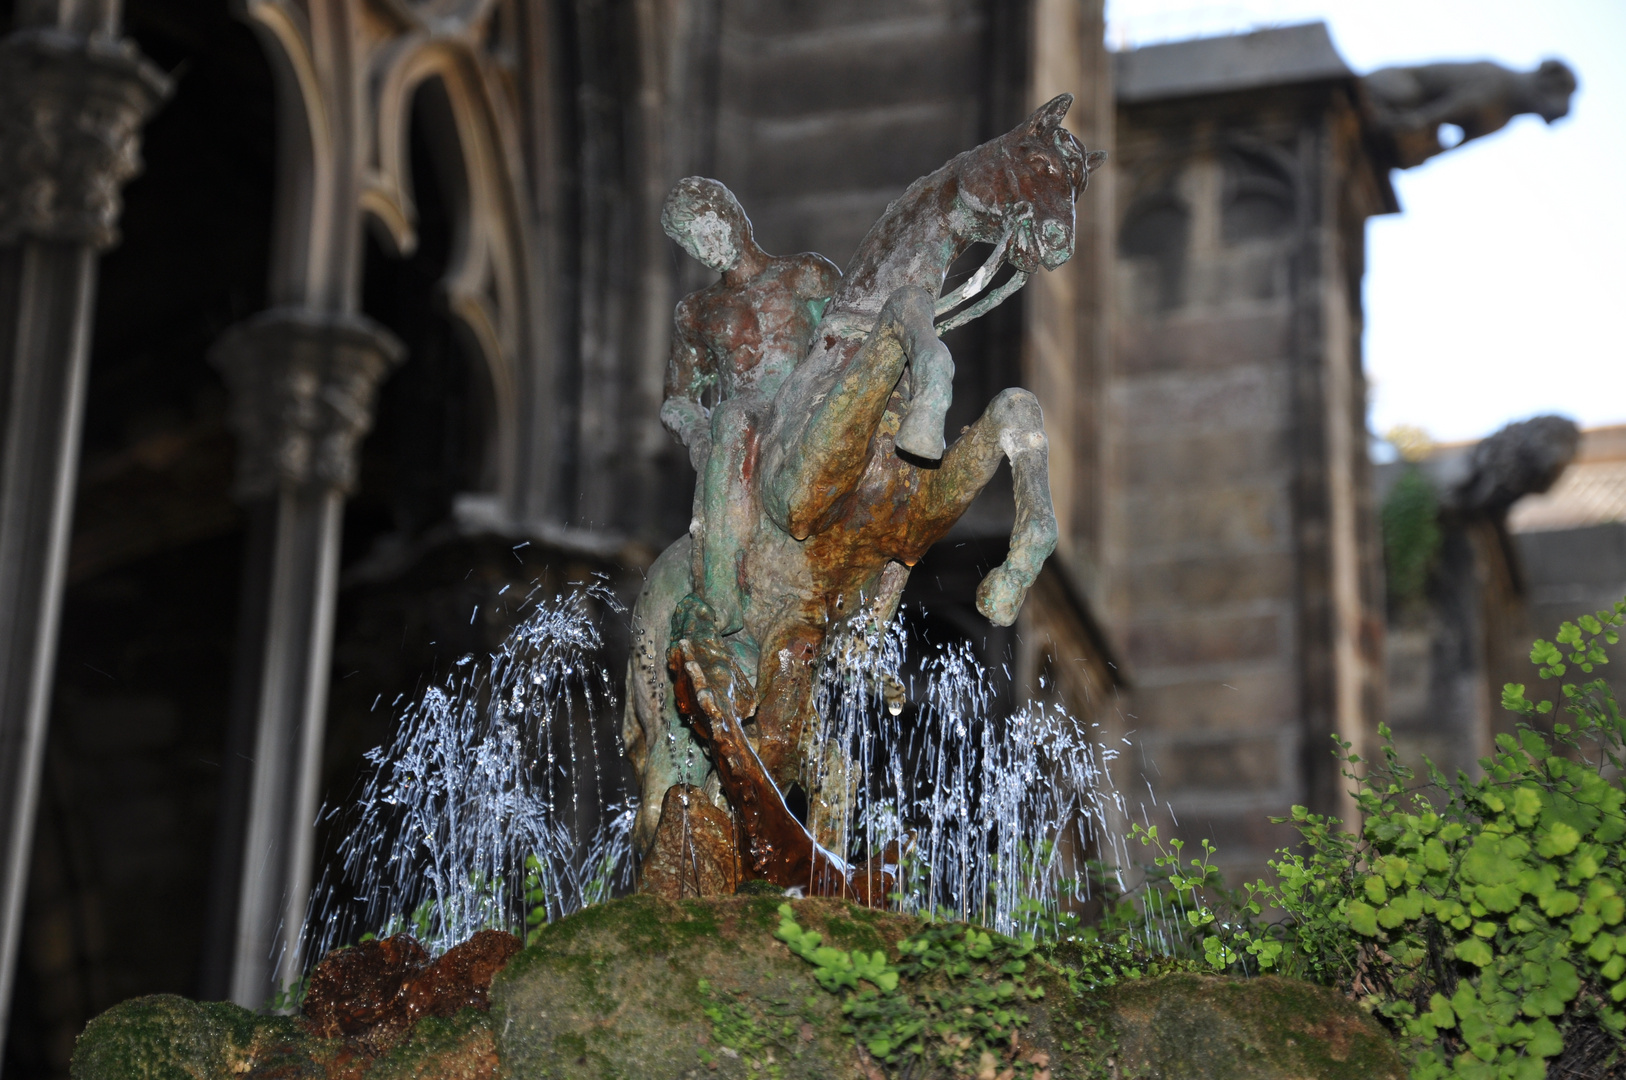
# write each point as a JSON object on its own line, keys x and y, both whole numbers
{"x": 687, "y": 378}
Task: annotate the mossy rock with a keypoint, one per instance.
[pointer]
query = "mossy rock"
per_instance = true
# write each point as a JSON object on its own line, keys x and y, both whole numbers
{"x": 645, "y": 989}
{"x": 166, "y": 1037}
{"x": 622, "y": 990}
{"x": 1235, "y": 1029}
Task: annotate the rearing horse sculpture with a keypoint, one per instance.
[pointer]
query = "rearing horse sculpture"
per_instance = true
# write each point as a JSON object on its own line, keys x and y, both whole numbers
{"x": 852, "y": 484}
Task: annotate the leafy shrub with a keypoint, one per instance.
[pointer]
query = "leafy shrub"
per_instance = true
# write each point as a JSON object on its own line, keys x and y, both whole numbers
{"x": 1487, "y": 926}
{"x": 1411, "y": 536}
{"x": 1483, "y": 920}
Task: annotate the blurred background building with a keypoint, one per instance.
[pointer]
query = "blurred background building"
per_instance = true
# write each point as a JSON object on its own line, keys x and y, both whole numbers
{"x": 376, "y": 338}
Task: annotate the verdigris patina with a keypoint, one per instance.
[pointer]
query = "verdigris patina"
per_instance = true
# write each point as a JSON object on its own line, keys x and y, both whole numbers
{"x": 824, "y": 478}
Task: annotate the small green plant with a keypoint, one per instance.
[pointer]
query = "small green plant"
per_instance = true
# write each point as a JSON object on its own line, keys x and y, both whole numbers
{"x": 420, "y": 923}
{"x": 1198, "y": 914}
{"x": 1487, "y": 925}
{"x": 951, "y": 1000}
{"x": 536, "y": 899}
{"x": 739, "y": 1031}
{"x": 289, "y": 998}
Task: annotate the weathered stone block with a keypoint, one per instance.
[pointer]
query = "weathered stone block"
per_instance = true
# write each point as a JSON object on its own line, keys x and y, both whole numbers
{"x": 1202, "y": 639}
{"x": 861, "y": 149}
{"x": 790, "y": 16}
{"x": 1221, "y": 457}
{"x": 829, "y": 223}
{"x": 1246, "y": 763}
{"x": 1245, "y": 398}
{"x": 1246, "y": 701}
{"x": 1192, "y": 1026}
{"x": 690, "y": 991}
{"x": 1211, "y": 521}
{"x": 1193, "y": 583}
{"x": 1206, "y": 342}
{"x": 850, "y": 67}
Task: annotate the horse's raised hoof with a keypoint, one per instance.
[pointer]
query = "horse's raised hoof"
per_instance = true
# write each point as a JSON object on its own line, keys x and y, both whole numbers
{"x": 1000, "y": 595}
{"x": 921, "y": 434}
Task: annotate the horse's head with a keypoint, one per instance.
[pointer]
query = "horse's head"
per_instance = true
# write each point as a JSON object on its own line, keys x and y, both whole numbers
{"x": 1031, "y": 182}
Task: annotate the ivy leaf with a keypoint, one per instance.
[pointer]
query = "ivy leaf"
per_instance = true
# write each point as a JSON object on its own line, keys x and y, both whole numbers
{"x": 1583, "y": 926}
{"x": 1564, "y": 979}
{"x": 1499, "y": 898}
{"x": 1545, "y": 1041}
{"x": 1486, "y": 864}
{"x": 1363, "y": 918}
{"x": 1543, "y": 1001}
{"x": 1526, "y": 805}
{"x": 1558, "y": 840}
{"x": 1612, "y": 910}
{"x": 1559, "y": 902}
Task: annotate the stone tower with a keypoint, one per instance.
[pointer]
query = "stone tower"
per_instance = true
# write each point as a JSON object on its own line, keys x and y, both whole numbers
{"x": 1245, "y": 580}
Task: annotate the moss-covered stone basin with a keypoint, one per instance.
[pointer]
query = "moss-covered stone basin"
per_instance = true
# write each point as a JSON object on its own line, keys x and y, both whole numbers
{"x": 643, "y": 989}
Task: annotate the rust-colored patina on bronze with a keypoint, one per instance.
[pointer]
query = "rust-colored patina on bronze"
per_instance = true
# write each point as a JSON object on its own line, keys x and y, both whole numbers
{"x": 825, "y": 477}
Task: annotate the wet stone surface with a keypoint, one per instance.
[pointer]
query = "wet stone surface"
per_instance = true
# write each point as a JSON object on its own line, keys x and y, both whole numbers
{"x": 374, "y": 991}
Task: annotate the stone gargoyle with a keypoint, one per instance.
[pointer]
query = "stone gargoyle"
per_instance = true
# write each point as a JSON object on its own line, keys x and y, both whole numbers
{"x": 1409, "y": 104}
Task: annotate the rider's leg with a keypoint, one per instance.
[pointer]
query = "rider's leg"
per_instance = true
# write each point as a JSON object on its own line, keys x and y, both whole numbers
{"x": 727, "y": 512}
{"x": 1011, "y": 427}
{"x": 931, "y": 386}
{"x": 832, "y": 451}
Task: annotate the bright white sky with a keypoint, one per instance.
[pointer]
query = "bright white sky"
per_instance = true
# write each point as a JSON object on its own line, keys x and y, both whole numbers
{"x": 1498, "y": 291}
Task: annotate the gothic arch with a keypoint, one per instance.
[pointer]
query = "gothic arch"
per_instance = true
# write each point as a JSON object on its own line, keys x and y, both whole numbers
{"x": 349, "y": 73}
{"x": 485, "y": 285}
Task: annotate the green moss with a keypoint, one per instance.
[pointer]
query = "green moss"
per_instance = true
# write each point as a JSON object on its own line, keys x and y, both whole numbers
{"x": 696, "y": 988}
{"x": 1245, "y": 1029}
{"x": 762, "y": 911}
{"x": 846, "y": 932}
{"x": 701, "y": 921}
{"x": 436, "y": 1046}
{"x": 167, "y": 1037}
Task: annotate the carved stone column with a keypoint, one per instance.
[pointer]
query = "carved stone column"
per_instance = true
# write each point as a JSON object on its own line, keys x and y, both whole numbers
{"x": 302, "y": 389}
{"x": 72, "y": 102}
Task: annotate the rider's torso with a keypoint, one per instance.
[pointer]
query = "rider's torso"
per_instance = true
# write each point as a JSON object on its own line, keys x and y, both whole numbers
{"x": 757, "y": 333}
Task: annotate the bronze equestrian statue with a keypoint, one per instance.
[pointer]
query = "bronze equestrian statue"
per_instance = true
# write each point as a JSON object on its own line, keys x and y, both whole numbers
{"x": 832, "y": 480}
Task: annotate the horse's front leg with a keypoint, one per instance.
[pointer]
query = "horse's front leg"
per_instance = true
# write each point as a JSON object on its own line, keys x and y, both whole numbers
{"x": 1011, "y": 427}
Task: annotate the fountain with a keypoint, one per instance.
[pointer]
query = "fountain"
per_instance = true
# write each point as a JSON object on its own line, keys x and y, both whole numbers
{"x": 769, "y": 657}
